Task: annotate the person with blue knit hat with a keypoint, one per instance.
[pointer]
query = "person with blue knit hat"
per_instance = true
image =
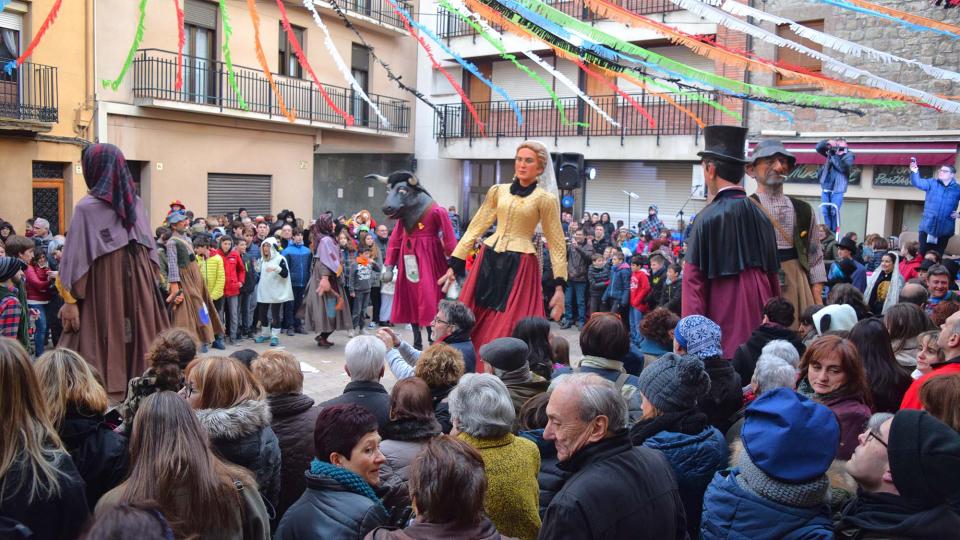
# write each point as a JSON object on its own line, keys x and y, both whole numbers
{"x": 670, "y": 389}
{"x": 699, "y": 337}
{"x": 779, "y": 488}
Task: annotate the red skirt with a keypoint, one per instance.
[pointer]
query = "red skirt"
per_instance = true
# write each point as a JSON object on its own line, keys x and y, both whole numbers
{"x": 525, "y": 300}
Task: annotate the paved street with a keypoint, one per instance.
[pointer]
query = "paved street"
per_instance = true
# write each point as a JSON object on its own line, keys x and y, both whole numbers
{"x": 329, "y": 379}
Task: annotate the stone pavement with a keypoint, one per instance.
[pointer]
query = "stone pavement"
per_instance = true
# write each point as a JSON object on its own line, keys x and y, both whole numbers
{"x": 329, "y": 379}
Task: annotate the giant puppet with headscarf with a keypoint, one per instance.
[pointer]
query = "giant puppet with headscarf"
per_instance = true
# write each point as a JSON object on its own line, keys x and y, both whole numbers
{"x": 505, "y": 284}
{"x": 110, "y": 273}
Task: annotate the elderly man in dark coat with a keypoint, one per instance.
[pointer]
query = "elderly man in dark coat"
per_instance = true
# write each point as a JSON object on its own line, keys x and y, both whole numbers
{"x": 731, "y": 263}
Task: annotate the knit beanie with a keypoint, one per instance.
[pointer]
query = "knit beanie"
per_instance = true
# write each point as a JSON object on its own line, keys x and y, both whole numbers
{"x": 699, "y": 336}
{"x": 507, "y": 353}
{"x": 9, "y": 266}
{"x": 808, "y": 494}
{"x": 674, "y": 383}
{"x": 924, "y": 455}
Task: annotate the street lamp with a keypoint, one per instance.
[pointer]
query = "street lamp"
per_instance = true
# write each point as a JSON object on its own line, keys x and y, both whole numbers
{"x": 630, "y": 196}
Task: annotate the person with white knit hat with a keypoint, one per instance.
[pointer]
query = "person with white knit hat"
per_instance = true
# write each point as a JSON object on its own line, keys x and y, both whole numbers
{"x": 779, "y": 488}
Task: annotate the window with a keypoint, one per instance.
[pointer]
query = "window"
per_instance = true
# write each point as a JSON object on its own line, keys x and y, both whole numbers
{"x": 795, "y": 58}
{"x": 288, "y": 60}
{"x": 200, "y": 57}
{"x": 360, "y": 69}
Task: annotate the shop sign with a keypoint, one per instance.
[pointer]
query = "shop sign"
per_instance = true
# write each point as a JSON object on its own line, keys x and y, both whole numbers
{"x": 807, "y": 174}
{"x": 897, "y": 175}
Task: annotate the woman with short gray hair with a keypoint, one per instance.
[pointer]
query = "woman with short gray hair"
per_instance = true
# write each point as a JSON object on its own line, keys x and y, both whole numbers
{"x": 452, "y": 325}
{"x": 482, "y": 414}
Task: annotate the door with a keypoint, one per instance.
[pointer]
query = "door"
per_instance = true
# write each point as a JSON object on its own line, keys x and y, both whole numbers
{"x": 48, "y": 203}
{"x": 479, "y": 94}
{"x": 200, "y": 66}
{"x": 10, "y": 27}
{"x": 360, "y": 68}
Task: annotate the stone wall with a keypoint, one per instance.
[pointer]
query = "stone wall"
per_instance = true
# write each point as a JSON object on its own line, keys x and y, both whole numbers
{"x": 884, "y": 35}
{"x": 334, "y": 172}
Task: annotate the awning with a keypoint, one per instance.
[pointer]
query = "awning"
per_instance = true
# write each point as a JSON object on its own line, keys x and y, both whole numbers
{"x": 934, "y": 154}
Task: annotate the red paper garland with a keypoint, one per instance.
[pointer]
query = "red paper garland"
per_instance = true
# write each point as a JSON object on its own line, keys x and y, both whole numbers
{"x": 37, "y": 37}
{"x": 181, "y": 40}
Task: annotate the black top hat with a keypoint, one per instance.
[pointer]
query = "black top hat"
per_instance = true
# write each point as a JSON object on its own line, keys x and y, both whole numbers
{"x": 725, "y": 143}
{"x": 771, "y": 147}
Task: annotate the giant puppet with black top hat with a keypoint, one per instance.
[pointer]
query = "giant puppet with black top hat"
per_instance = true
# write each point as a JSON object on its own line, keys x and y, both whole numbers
{"x": 731, "y": 265}
{"x": 795, "y": 224}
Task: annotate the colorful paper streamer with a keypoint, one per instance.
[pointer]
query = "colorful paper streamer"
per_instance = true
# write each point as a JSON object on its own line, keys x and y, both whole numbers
{"x": 467, "y": 65}
{"x": 302, "y": 58}
{"x": 47, "y": 23}
{"x": 908, "y": 20}
{"x": 290, "y": 114}
{"x": 231, "y": 76}
{"x": 181, "y": 41}
{"x": 137, "y": 38}
{"x": 619, "y": 91}
{"x": 339, "y": 63}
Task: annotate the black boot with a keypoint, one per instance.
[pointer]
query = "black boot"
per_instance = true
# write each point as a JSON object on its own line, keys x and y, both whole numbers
{"x": 417, "y": 338}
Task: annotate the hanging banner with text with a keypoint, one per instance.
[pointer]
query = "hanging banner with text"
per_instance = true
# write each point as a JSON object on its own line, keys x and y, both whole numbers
{"x": 807, "y": 174}
{"x": 897, "y": 176}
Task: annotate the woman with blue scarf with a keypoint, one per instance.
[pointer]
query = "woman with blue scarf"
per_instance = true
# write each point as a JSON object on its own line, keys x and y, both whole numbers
{"x": 339, "y": 501}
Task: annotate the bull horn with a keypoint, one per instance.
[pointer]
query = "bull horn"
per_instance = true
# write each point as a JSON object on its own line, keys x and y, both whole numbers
{"x": 377, "y": 177}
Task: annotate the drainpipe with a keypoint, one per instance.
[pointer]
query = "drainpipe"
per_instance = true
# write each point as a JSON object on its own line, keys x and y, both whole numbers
{"x": 746, "y": 75}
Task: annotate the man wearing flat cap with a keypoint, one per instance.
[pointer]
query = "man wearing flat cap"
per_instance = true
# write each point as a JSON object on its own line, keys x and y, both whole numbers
{"x": 794, "y": 224}
{"x": 731, "y": 263}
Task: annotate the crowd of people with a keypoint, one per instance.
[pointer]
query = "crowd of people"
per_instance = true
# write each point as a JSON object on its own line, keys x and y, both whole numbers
{"x": 710, "y": 399}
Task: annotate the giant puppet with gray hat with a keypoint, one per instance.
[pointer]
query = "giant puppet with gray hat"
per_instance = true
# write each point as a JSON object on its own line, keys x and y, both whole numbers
{"x": 802, "y": 272}
{"x": 731, "y": 263}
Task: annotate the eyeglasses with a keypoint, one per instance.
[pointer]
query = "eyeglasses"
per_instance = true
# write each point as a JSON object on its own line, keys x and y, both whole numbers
{"x": 437, "y": 319}
{"x": 876, "y": 437}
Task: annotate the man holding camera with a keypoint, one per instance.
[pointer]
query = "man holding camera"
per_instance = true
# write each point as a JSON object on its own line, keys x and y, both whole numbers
{"x": 833, "y": 176}
{"x": 939, "y": 207}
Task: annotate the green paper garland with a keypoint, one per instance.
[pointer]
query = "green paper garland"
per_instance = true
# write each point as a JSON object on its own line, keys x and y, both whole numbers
{"x": 231, "y": 76}
{"x": 137, "y": 38}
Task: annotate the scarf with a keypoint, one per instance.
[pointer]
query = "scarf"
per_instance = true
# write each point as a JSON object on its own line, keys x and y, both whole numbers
{"x": 517, "y": 189}
{"x": 689, "y": 422}
{"x": 350, "y": 480}
{"x": 106, "y": 173}
{"x": 807, "y": 391}
{"x": 520, "y": 375}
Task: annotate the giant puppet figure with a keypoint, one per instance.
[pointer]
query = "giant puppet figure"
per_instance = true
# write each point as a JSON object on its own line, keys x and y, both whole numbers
{"x": 422, "y": 240}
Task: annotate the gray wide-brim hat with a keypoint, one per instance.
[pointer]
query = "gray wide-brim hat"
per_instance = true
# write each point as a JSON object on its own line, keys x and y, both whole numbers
{"x": 772, "y": 147}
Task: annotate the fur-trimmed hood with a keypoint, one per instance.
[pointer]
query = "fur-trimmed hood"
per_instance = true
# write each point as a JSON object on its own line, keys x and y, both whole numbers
{"x": 410, "y": 430}
{"x": 237, "y": 421}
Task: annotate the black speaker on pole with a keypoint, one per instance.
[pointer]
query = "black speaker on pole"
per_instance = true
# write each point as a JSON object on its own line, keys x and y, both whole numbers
{"x": 570, "y": 170}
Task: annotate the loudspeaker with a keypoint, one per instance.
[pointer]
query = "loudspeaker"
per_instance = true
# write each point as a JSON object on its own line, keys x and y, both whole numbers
{"x": 569, "y": 170}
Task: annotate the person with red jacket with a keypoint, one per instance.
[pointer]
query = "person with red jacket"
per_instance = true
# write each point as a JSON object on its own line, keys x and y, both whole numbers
{"x": 949, "y": 342}
{"x": 39, "y": 279}
{"x": 639, "y": 288}
{"x": 910, "y": 260}
{"x": 236, "y": 274}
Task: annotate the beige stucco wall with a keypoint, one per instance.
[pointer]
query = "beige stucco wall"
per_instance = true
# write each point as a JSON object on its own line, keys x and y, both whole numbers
{"x": 188, "y": 150}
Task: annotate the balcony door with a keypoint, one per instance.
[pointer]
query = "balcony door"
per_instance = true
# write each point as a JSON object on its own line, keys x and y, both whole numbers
{"x": 200, "y": 83}
{"x": 10, "y": 26}
{"x": 360, "y": 68}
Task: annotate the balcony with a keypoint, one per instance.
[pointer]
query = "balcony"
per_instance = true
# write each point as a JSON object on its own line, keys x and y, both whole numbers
{"x": 377, "y": 11}
{"x": 542, "y": 119}
{"x": 28, "y": 98}
{"x": 451, "y": 26}
{"x": 205, "y": 89}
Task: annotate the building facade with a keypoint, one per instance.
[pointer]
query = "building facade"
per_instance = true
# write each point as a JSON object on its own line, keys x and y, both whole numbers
{"x": 880, "y": 198}
{"x": 200, "y": 145}
{"x": 46, "y": 109}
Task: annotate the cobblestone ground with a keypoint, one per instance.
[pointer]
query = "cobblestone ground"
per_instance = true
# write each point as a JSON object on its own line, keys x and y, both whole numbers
{"x": 329, "y": 378}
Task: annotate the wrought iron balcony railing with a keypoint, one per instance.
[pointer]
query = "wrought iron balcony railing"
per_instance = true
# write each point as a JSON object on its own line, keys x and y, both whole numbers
{"x": 378, "y": 10}
{"x": 542, "y": 119}
{"x": 450, "y": 26}
{"x": 29, "y": 93}
{"x": 205, "y": 83}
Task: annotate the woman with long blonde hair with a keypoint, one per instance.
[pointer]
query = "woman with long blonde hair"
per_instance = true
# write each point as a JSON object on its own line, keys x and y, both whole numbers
{"x": 173, "y": 465}
{"x": 76, "y": 404}
{"x": 40, "y": 487}
{"x": 232, "y": 408}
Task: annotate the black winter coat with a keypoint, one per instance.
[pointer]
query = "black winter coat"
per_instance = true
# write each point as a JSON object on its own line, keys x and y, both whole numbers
{"x": 371, "y": 395}
{"x": 327, "y": 510}
{"x": 62, "y": 517}
{"x": 726, "y": 393}
{"x": 242, "y": 436}
{"x": 598, "y": 278}
{"x": 886, "y": 516}
{"x": 671, "y": 296}
{"x": 658, "y": 282}
{"x": 294, "y": 421}
{"x": 616, "y": 491}
{"x": 99, "y": 453}
{"x": 746, "y": 356}
{"x": 441, "y": 407}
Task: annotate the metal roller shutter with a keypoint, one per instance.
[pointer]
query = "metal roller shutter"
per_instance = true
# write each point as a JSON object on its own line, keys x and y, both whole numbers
{"x": 13, "y": 21}
{"x": 200, "y": 13}
{"x": 674, "y": 52}
{"x": 517, "y": 83}
{"x": 228, "y": 192}
{"x": 572, "y": 72}
{"x": 667, "y": 185}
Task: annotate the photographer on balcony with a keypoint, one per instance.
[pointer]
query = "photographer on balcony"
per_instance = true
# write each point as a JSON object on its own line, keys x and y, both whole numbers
{"x": 833, "y": 176}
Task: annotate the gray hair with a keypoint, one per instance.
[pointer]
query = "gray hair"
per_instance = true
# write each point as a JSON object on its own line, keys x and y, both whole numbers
{"x": 365, "y": 356}
{"x": 773, "y": 372}
{"x": 458, "y": 314}
{"x": 877, "y": 420}
{"x": 481, "y": 407}
{"x": 783, "y": 350}
{"x": 598, "y": 397}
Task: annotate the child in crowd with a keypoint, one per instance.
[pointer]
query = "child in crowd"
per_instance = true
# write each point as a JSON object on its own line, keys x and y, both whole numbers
{"x": 561, "y": 351}
{"x": 12, "y": 311}
{"x": 214, "y": 278}
{"x": 248, "y": 291}
{"x": 273, "y": 290}
{"x": 598, "y": 277}
{"x": 618, "y": 292}
{"x": 235, "y": 273}
{"x": 366, "y": 267}
{"x": 671, "y": 296}
{"x": 639, "y": 289}
{"x": 299, "y": 257}
{"x": 658, "y": 278}
{"x": 348, "y": 260}
{"x": 22, "y": 248}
